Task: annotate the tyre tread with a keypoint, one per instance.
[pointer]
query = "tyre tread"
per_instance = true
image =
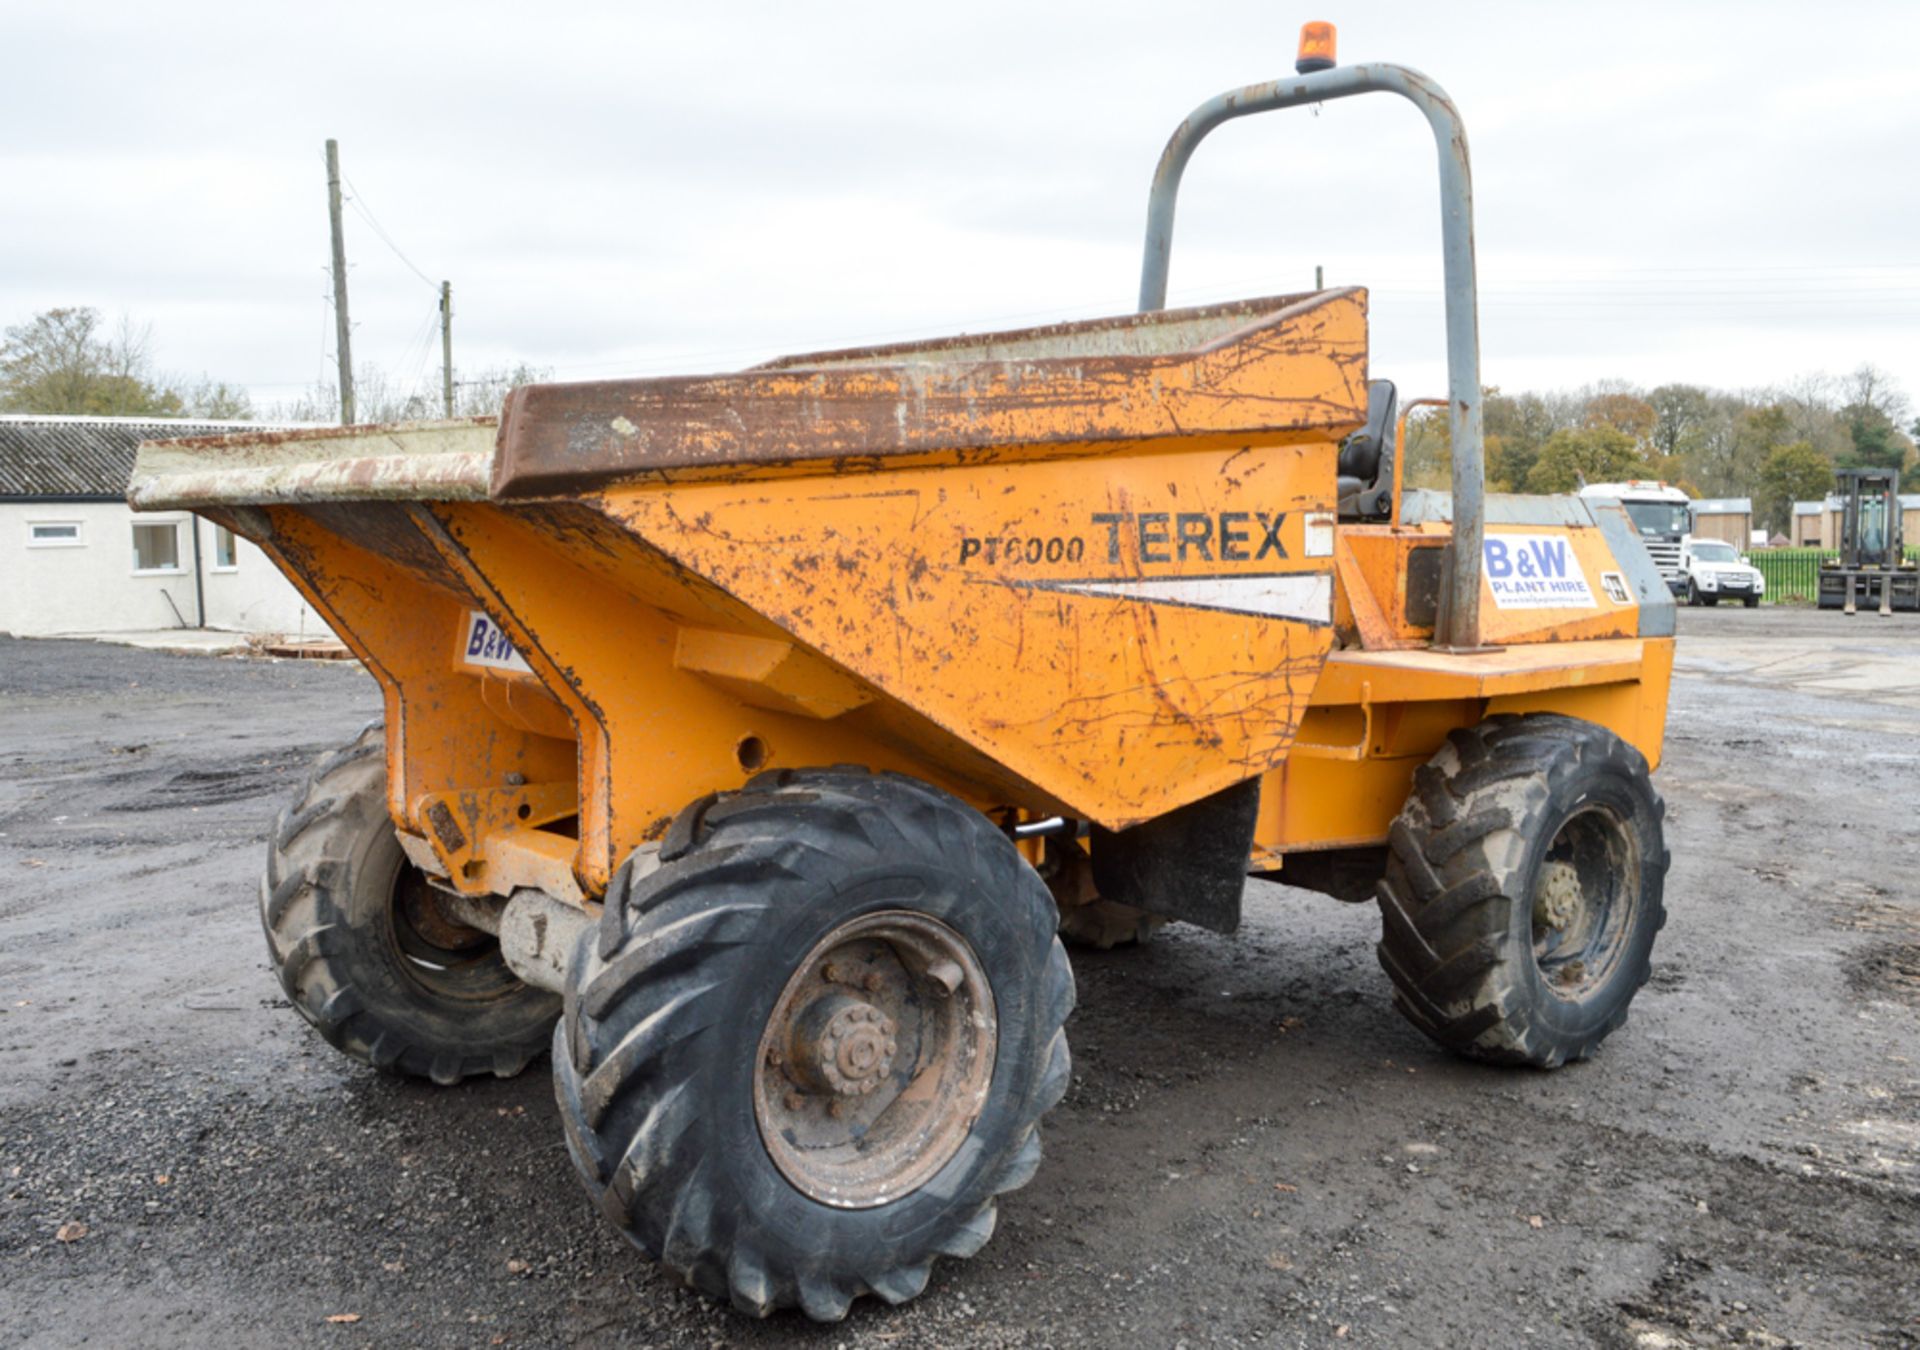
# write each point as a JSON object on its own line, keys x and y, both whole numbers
{"x": 1446, "y": 900}
{"x": 626, "y": 1055}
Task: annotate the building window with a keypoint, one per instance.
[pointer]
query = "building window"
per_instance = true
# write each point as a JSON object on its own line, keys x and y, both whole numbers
{"x": 54, "y": 534}
{"x": 156, "y": 548}
{"x": 223, "y": 549}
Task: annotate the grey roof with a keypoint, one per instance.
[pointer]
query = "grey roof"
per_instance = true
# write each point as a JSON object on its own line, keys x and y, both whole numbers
{"x": 1909, "y": 501}
{"x": 86, "y": 457}
{"x": 1724, "y": 506}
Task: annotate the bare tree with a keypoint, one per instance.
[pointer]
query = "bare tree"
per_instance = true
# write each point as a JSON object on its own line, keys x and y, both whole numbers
{"x": 1871, "y": 389}
{"x": 378, "y": 397}
{"x": 1812, "y": 416}
{"x": 60, "y": 362}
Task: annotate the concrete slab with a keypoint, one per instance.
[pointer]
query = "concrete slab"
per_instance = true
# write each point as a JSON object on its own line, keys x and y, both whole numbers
{"x": 214, "y": 642}
{"x": 1864, "y": 657}
{"x": 196, "y": 641}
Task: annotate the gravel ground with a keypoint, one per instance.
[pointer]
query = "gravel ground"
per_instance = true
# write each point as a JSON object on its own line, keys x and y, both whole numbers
{"x": 1255, "y": 1148}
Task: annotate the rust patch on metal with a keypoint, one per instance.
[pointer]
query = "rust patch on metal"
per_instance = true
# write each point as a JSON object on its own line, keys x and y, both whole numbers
{"x": 446, "y": 829}
{"x": 1287, "y": 365}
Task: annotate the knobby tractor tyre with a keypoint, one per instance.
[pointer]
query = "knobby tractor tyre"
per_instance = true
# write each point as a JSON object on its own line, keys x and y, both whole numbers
{"x": 362, "y": 950}
{"x": 1524, "y": 890}
{"x": 802, "y": 1057}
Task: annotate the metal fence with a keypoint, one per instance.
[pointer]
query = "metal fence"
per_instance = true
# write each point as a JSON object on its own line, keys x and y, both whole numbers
{"x": 1793, "y": 574}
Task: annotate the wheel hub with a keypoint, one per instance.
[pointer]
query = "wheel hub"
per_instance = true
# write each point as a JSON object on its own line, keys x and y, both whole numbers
{"x": 876, "y": 1059}
{"x": 1557, "y": 900}
{"x": 436, "y": 947}
{"x": 1583, "y": 902}
{"x": 843, "y": 1045}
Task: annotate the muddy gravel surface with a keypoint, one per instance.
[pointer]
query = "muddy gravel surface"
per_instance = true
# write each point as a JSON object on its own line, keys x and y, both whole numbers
{"x": 1255, "y": 1149}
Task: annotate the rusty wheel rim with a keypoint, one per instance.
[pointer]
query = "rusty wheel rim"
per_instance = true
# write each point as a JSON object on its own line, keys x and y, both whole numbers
{"x": 435, "y": 952}
{"x": 1585, "y": 901}
{"x": 876, "y": 1060}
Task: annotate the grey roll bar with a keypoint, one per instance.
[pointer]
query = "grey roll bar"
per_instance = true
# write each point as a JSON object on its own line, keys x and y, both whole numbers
{"x": 1459, "y": 629}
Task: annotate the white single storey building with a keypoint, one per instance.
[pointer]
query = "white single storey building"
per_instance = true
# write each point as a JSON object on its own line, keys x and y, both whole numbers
{"x": 74, "y": 558}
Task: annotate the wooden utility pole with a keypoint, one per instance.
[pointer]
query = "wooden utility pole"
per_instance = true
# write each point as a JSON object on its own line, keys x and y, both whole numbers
{"x": 343, "y": 330}
{"x": 446, "y": 344}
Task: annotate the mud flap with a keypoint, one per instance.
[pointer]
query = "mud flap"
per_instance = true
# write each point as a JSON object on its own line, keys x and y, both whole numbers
{"x": 1189, "y": 864}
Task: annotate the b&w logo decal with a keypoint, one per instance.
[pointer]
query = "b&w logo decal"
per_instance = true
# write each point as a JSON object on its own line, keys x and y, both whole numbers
{"x": 489, "y": 647}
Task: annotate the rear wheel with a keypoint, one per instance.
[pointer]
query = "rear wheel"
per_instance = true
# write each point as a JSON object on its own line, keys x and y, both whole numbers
{"x": 363, "y": 950}
{"x": 1524, "y": 890}
{"x": 802, "y": 1057}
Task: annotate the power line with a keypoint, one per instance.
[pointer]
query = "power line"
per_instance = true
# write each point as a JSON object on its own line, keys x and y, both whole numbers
{"x": 366, "y": 214}
{"x": 1793, "y": 292}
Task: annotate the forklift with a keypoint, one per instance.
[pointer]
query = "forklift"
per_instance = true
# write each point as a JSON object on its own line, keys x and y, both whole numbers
{"x": 1872, "y": 566}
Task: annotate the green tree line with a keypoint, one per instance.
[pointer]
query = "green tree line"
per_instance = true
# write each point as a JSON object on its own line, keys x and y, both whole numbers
{"x": 68, "y": 361}
{"x": 1776, "y": 446}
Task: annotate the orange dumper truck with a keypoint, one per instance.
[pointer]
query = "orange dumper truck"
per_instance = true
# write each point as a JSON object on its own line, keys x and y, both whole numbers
{"x": 750, "y": 739}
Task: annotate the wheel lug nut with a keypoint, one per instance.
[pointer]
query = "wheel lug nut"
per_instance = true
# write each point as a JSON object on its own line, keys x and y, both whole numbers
{"x": 874, "y": 983}
{"x": 795, "y": 1101}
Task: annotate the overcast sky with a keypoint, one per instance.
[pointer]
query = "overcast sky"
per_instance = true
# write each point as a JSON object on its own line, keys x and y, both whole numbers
{"x": 1718, "y": 193}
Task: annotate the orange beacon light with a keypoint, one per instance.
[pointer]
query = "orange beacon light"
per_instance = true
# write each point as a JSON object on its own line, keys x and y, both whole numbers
{"x": 1316, "y": 47}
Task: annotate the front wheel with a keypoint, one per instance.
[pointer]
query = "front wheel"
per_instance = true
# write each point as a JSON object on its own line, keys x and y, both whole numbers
{"x": 802, "y": 1058}
{"x": 1693, "y": 595}
{"x": 1751, "y": 601}
{"x": 1524, "y": 889}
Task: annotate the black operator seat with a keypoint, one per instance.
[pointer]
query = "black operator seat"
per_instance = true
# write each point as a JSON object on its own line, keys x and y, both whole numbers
{"x": 1366, "y": 457}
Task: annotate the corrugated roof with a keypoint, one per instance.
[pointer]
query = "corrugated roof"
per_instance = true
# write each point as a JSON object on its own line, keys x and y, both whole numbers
{"x": 1909, "y": 501}
{"x": 44, "y": 456}
{"x": 1724, "y": 506}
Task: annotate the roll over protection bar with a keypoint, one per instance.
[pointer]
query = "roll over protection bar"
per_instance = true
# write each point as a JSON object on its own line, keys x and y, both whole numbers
{"x": 1459, "y": 628}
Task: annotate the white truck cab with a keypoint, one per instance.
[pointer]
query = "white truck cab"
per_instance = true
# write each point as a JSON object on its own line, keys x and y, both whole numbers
{"x": 1661, "y": 513}
{"x": 1713, "y": 569}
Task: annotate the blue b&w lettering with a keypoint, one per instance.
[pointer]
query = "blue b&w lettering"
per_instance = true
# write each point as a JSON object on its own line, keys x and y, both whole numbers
{"x": 1535, "y": 571}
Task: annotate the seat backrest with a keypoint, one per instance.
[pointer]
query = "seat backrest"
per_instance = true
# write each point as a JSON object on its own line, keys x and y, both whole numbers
{"x": 1366, "y": 457}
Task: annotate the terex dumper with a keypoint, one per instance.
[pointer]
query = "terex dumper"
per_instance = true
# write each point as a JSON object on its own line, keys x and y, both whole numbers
{"x": 746, "y": 736}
